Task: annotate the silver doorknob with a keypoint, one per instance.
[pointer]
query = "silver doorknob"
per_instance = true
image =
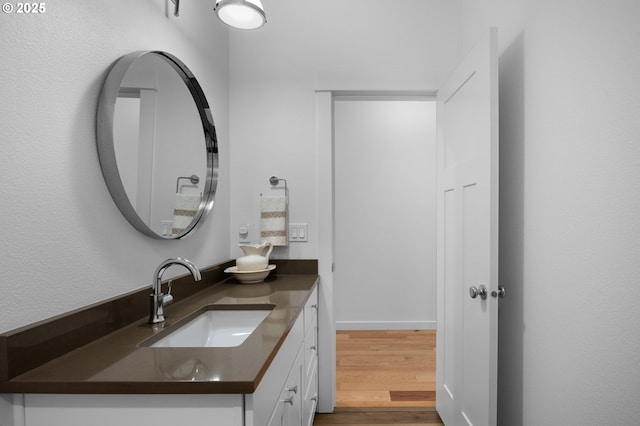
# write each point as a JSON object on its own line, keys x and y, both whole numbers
{"x": 500, "y": 293}
{"x": 478, "y": 291}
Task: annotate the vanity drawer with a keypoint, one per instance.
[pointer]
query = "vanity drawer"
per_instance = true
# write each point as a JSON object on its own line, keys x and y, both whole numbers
{"x": 311, "y": 310}
{"x": 310, "y": 347}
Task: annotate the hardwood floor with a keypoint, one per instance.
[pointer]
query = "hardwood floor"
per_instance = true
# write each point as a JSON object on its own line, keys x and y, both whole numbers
{"x": 384, "y": 378}
{"x": 388, "y": 416}
{"x": 394, "y": 368}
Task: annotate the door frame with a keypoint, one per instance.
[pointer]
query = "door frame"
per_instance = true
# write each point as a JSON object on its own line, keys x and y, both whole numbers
{"x": 326, "y": 233}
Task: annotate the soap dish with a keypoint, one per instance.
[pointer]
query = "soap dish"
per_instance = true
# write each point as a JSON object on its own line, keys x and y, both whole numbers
{"x": 250, "y": 277}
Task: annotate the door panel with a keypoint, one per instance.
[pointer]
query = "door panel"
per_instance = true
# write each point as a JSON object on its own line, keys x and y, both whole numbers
{"x": 449, "y": 341}
{"x": 468, "y": 240}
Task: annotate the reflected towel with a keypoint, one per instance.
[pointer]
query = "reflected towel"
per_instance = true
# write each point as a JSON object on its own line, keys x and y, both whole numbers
{"x": 273, "y": 220}
{"x": 185, "y": 211}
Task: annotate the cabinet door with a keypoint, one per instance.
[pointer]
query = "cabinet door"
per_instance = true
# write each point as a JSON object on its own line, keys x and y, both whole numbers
{"x": 310, "y": 401}
{"x": 310, "y": 365}
{"x": 293, "y": 394}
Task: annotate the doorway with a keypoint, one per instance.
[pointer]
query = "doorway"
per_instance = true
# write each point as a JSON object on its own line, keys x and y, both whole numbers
{"x": 468, "y": 102}
{"x": 385, "y": 249}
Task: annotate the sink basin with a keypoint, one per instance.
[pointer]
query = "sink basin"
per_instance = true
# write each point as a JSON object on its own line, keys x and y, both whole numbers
{"x": 217, "y": 327}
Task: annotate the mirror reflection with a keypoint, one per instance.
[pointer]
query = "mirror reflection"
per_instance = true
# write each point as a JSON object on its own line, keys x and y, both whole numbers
{"x": 157, "y": 144}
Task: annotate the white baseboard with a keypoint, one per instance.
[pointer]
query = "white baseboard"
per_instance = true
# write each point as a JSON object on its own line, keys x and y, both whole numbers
{"x": 385, "y": 325}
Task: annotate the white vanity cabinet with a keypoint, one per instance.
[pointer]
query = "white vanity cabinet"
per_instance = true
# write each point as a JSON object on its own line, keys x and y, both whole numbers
{"x": 288, "y": 393}
{"x": 310, "y": 363}
{"x": 286, "y": 396}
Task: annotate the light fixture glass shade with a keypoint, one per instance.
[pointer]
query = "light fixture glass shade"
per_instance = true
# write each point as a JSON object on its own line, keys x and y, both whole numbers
{"x": 242, "y": 14}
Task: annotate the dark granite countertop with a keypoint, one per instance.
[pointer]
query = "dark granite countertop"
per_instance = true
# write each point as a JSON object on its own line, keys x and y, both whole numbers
{"x": 118, "y": 363}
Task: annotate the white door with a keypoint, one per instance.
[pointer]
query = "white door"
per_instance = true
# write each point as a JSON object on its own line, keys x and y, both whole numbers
{"x": 467, "y": 330}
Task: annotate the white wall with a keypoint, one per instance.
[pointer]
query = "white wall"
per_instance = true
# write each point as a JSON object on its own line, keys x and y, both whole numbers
{"x": 385, "y": 213}
{"x": 65, "y": 244}
{"x": 328, "y": 45}
{"x": 570, "y": 235}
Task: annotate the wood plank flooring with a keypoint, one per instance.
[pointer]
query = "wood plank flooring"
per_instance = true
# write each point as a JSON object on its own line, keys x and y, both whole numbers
{"x": 384, "y": 378}
{"x": 387, "y": 416}
{"x": 390, "y": 368}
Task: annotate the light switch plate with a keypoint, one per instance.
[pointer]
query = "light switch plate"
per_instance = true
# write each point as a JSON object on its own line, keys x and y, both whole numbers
{"x": 298, "y": 232}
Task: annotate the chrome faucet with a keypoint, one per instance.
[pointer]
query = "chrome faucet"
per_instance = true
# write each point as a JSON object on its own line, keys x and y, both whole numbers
{"x": 159, "y": 300}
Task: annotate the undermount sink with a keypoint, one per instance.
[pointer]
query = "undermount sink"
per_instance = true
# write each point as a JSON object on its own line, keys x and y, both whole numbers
{"x": 219, "y": 326}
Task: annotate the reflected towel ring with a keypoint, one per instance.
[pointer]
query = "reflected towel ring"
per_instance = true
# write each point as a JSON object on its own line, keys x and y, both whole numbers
{"x": 194, "y": 179}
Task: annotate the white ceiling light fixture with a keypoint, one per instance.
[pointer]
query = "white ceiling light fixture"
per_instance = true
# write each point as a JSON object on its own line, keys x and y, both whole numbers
{"x": 241, "y": 14}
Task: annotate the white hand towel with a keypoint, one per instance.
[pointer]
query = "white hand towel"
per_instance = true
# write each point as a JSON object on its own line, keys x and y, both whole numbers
{"x": 186, "y": 208}
{"x": 273, "y": 220}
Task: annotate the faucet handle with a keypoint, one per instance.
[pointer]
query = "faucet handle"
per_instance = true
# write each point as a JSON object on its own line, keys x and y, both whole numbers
{"x": 167, "y": 299}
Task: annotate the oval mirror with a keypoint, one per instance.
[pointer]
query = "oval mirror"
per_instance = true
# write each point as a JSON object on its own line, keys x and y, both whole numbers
{"x": 157, "y": 144}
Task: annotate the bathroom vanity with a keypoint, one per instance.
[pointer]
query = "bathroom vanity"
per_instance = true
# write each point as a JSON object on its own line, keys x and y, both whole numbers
{"x": 120, "y": 378}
